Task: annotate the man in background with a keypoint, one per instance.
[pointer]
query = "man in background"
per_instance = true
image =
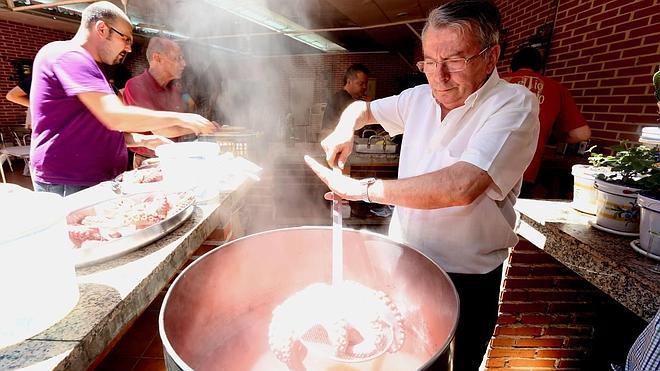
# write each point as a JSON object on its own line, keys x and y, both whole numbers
{"x": 356, "y": 78}
{"x": 558, "y": 111}
{"x": 20, "y": 94}
{"x": 80, "y": 127}
{"x": 156, "y": 89}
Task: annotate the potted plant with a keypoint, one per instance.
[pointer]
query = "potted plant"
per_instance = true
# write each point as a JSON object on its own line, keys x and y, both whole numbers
{"x": 634, "y": 169}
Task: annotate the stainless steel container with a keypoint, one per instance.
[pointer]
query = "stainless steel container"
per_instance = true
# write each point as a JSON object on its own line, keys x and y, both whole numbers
{"x": 216, "y": 314}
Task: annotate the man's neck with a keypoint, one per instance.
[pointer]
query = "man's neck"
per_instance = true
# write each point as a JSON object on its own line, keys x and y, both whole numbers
{"x": 349, "y": 93}
{"x": 161, "y": 78}
{"x": 82, "y": 38}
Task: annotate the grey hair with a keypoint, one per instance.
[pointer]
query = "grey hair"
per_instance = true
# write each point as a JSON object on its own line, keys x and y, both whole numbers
{"x": 158, "y": 45}
{"x": 101, "y": 11}
{"x": 478, "y": 17}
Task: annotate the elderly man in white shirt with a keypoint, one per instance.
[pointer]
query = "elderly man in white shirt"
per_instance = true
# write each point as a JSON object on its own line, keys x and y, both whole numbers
{"x": 468, "y": 136}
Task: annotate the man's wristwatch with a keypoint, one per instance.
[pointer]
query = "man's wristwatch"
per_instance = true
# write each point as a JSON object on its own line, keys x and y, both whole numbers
{"x": 366, "y": 182}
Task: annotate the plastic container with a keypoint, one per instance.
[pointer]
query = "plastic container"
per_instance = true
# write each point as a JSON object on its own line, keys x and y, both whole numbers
{"x": 584, "y": 193}
{"x": 37, "y": 274}
{"x": 649, "y": 225}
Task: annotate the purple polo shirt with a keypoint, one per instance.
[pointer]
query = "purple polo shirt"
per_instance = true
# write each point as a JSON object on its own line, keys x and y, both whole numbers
{"x": 69, "y": 144}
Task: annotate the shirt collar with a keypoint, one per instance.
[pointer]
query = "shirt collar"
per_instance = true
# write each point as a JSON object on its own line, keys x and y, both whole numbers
{"x": 490, "y": 83}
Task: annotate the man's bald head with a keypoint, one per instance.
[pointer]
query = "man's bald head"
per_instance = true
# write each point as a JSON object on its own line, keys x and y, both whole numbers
{"x": 160, "y": 45}
{"x": 166, "y": 61}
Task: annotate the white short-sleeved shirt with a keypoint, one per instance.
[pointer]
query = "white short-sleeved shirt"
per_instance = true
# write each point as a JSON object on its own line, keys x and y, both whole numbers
{"x": 496, "y": 130}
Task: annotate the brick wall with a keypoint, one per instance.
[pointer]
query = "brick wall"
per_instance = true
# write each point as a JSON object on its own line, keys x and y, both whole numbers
{"x": 605, "y": 52}
{"x": 19, "y": 41}
{"x": 546, "y": 315}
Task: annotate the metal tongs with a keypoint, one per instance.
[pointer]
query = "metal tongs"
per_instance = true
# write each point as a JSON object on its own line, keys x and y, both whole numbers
{"x": 337, "y": 243}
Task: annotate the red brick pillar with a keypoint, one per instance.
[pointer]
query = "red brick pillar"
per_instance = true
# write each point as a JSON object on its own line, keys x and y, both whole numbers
{"x": 546, "y": 315}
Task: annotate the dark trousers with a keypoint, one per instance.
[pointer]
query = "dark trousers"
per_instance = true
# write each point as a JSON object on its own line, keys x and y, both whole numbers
{"x": 479, "y": 296}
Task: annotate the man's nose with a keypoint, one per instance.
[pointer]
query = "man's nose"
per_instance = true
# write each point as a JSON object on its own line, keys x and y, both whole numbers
{"x": 442, "y": 72}
{"x": 127, "y": 48}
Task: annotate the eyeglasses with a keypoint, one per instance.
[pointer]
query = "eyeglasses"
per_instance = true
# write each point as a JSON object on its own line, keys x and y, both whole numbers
{"x": 127, "y": 40}
{"x": 452, "y": 64}
{"x": 176, "y": 58}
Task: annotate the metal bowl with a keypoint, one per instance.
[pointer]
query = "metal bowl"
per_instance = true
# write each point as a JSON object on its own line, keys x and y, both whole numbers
{"x": 99, "y": 251}
{"x": 216, "y": 314}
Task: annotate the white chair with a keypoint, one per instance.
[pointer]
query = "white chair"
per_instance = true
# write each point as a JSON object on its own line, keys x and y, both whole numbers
{"x": 21, "y": 140}
{"x": 14, "y": 151}
{"x": 4, "y": 158}
{"x": 316, "y": 112}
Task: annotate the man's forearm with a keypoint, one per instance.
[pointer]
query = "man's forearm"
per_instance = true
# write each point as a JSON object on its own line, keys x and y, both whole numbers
{"x": 18, "y": 96}
{"x": 116, "y": 116}
{"x": 355, "y": 116}
{"x": 457, "y": 185}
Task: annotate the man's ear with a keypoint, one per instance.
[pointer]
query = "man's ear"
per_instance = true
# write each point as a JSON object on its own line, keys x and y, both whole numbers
{"x": 99, "y": 27}
{"x": 493, "y": 57}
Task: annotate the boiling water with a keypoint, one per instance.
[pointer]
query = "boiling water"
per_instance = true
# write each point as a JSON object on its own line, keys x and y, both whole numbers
{"x": 345, "y": 321}
{"x": 242, "y": 346}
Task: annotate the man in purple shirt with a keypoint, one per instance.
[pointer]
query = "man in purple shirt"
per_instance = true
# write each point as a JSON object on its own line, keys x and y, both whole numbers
{"x": 80, "y": 127}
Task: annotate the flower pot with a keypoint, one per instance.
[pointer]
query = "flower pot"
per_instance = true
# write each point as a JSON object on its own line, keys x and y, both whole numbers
{"x": 584, "y": 193}
{"x": 649, "y": 223}
{"x": 616, "y": 207}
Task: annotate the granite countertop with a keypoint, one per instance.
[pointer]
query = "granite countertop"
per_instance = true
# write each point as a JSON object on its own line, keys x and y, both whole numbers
{"x": 606, "y": 260}
{"x": 113, "y": 293}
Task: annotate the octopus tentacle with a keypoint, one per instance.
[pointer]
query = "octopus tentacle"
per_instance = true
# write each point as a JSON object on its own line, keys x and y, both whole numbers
{"x": 359, "y": 323}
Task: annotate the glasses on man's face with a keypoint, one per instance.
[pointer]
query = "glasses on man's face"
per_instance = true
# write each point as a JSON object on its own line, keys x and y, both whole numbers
{"x": 176, "y": 58}
{"x": 127, "y": 39}
{"x": 451, "y": 65}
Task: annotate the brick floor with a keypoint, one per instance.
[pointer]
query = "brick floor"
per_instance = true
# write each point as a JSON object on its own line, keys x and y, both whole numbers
{"x": 140, "y": 348}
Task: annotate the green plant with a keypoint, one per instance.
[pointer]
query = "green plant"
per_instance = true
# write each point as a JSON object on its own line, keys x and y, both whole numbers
{"x": 631, "y": 165}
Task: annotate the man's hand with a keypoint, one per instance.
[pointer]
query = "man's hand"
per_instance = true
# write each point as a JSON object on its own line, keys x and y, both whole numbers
{"x": 339, "y": 144}
{"x": 148, "y": 141}
{"x": 337, "y": 147}
{"x": 345, "y": 187}
{"x": 196, "y": 123}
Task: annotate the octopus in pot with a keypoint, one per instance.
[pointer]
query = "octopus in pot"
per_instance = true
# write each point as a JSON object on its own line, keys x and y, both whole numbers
{"x": 344, "y": 322}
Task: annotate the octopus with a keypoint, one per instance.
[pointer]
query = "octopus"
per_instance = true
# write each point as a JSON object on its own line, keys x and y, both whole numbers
{"x": 123, "y": 216}
{"x": 346, "y": 322}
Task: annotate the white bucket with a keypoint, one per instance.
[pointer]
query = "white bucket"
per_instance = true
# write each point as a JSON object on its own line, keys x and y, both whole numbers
{"x": 37, "y": 274}
{"x": 616, "y": 207}
{"x": 649, "y": 224}
{"x": 584, "y": 193}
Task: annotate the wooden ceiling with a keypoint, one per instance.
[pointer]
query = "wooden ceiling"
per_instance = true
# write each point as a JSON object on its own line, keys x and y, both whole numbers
{"x": 207, "y": 23}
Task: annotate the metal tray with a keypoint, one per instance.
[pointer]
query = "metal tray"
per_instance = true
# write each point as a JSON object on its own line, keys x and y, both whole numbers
{"x": 100, "y": 251}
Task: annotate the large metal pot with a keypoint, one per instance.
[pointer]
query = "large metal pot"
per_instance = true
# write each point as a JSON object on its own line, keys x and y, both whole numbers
{"x": 217, "y": 312}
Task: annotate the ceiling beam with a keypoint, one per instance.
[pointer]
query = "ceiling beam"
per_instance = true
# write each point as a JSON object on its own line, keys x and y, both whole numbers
{"x": 414, "y": 31}
{"x": 46, "y": 5}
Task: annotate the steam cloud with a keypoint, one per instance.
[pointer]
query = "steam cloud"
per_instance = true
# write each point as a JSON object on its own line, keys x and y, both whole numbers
{"x": 250, "y": 81}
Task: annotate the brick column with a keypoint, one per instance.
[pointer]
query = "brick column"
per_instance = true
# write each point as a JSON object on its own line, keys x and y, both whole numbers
{"x": 546, "y": 316}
